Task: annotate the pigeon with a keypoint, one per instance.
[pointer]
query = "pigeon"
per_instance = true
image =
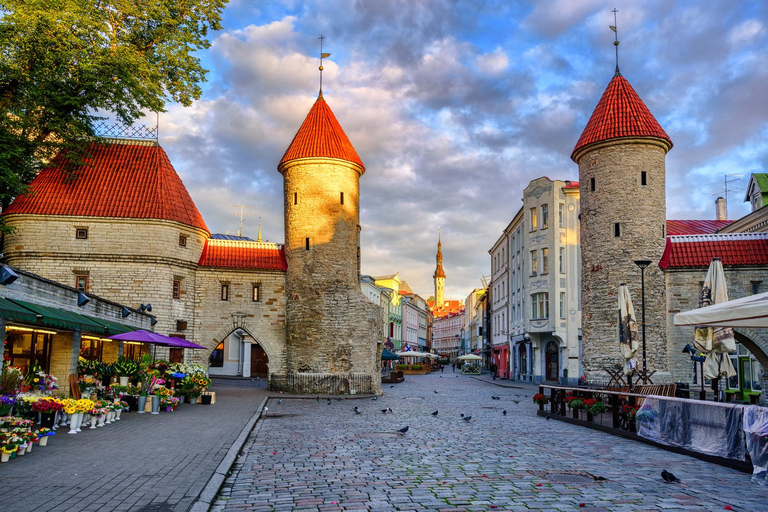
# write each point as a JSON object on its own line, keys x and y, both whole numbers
{"x": 279, "y": 400}
{"x": 329, "y": 401}
{"x": 495, "y": 398}
{"x": 339, "y": 399}
{"x": 434, "y": 413}
{"x": 462, "y": 415}
{"x": 391, "y": 386}
{"x": 435, "y": 391}
{"x": 357, "y": 411}
{"x": 375, "y": 397}
{"x": 317, "y": 399}
{"x": 669, "y": 477}
{"x": 384, "y": 411}
{"x": 548, "y": 416}
{"x": 467, "y": 418}
{"x": 516, "y": 401}
{"x": 403, "y": 430}
{"x": 504, "y": 412}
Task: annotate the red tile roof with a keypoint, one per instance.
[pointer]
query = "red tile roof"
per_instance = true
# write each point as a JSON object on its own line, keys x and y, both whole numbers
{"x": 449, "y": 308}
{"x": 126, "y": 180}
{"x": 244, "y": 255}
{"x": 321, "y": 135}
{"x": 571, "y": 184}
{"x": 620, "y": 113}
{"x": 695, "y": 227}
{"x": 698, "y": 250}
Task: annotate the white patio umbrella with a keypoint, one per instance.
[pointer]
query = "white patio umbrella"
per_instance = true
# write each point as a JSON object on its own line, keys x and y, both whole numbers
{"x": 715, "y": 341}
{"x": 628, "y": 339}
{"x": 470, "y": 357}
{"x": 748, "y": 312}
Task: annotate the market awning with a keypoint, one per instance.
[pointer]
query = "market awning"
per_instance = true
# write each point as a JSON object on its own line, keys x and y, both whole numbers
{"x": 111, "y": 327}
{"x": 12, "y": 311}
{"x": 60, "y": 318}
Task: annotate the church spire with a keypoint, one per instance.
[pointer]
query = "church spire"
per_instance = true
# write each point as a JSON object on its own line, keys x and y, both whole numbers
{"x": 439, "y": 275}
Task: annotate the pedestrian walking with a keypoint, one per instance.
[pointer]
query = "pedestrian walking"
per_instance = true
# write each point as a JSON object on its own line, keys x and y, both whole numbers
{"x": 442, "y": 367}
{"x": 454, "y": 366}
{"x": 493, "y": 370}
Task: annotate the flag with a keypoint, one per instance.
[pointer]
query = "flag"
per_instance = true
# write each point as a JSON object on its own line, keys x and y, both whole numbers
{"x": 612, "y": 27}
{"x": 325, "y": 55}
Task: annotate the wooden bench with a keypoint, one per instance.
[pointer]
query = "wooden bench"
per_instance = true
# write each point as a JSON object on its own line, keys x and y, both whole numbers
{"x": 393, "y": 378}
{"x": 651, "y": 389}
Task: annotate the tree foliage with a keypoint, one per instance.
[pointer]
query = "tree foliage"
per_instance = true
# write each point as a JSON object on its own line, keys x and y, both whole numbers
{"x": 62, "y": 62}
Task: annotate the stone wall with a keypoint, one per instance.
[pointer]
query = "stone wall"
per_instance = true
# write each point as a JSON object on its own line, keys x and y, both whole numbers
{"x": 331, "y": 327}
{"x": 607, "y": 260}
{"x": 264, "y": 320}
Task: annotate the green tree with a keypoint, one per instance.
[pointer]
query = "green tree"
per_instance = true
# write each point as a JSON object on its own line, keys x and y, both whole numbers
{"x": 62, "y": 62}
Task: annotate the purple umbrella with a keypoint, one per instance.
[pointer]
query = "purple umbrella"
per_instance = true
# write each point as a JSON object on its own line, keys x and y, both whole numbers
{"x": 145, "y": 337}
{"x": 181, "y": 342}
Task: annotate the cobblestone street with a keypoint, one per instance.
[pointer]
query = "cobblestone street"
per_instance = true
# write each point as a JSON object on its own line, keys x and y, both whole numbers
{"x": 307, "y": 454}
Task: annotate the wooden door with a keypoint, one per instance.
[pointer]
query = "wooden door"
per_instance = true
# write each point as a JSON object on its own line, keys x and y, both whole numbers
{"x": 259, "y": 362}
{"x": 552, "y": 362}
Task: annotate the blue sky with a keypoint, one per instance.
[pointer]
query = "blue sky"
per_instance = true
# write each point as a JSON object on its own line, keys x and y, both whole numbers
{"x": 455, "y": 106}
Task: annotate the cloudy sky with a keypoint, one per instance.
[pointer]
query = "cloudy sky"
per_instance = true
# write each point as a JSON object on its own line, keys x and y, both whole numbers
{"x": 455, "y": 106}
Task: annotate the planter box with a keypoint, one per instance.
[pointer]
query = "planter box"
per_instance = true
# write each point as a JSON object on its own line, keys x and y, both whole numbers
{"x": 423, "y": 371}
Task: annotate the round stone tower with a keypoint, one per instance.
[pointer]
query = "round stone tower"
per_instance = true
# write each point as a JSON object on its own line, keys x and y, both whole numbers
{"x": 331, "y": 327}
{"x": 621, "y": 158}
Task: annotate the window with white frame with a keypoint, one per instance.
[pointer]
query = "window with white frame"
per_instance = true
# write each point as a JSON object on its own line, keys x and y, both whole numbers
{"x": 533, "y": 219}
{"x": 544, "y": 216}
{"x": 561, "y": 215}
{"x": 534, "y": 263}
{"x": 562, "y": 260}
{"x": 539, "y": 306}
{"x": 545, "y": 261}
{"x": 562, "y": 304}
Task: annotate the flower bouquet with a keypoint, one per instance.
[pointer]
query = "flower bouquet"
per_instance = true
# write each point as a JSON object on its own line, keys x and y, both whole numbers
{"x": 9, "y": 444}
{"x": 11, "y": 380}
{"x": 630, "y": 411}
{"x": 540, "y": 399}
{"x": 43, "y": 434}
{"x": 593, "y": 406}
{"x": 6, "y": 404}
{"x": 574, "y": 402}
{"x": 47, "y": 405}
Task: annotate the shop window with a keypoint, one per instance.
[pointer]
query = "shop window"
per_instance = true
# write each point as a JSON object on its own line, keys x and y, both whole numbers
{"x": 81, "y": 233}
{"x": 217, "y": 356}
{"x": 81, "y": 283}
{"x": 224, "y": 291}
{"x": 135, "y": 350}
{"x": 28, "y": 349}
{"x": 177, "y": 289}
{"x": 91, "y": 349}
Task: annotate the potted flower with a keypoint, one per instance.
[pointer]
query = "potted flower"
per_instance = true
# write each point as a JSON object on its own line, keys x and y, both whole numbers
{"x": 47, "y": 407}
{"x": 43, "y": 434}
{"x": 6, "y": 404}
{"x": 9, "y": 444}
{"x": 593, "y": 407}
{"x": 540, "y": 399}
{"x": 125, "y": 368}
{"x": 162, "y": 394}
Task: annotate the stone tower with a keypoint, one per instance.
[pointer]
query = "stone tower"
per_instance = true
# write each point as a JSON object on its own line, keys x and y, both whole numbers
{"x": 621, "y": 158}
{"x": 331, "y": 329}
{"x": 439, "y": 277}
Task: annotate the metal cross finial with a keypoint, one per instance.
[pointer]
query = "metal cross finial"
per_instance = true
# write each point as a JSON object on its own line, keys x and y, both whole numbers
{"x": 322, "y": 56}
{"x": 616, "y": 42}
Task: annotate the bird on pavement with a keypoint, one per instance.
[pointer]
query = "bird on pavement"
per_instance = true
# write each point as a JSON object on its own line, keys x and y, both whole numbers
{"x": 516, "y": 401}
{"x": 462, "y": 415}
{"x": 403, "y": 430}
{"x": 339, "y": 399}
{"x": 279, "y": 400}
{"x": 384, "y": 411}
{"x": 669, "y": 477}
{"x": 435, "y": 391}
{"x": 548, "y": 416}
{"x": 375, "y": 398}
{"x": 317, "y": 399}
{"x": 357, "y": 411}
{"x": 434, "y": 413}
{"x": 495, "y": 397}
{"x": 504, "y": 412}
{"x": 391, "y": 386}
{"x": 467, "y": 418}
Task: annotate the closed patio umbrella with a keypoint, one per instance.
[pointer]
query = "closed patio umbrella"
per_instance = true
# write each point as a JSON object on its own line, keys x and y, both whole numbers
{"x": 715, "y": 341}
{"x": 628, "y": 339}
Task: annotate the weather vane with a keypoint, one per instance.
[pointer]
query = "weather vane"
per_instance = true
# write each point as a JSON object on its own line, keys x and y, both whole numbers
{"x": 322, "y": 56}
{"x": 616, "y": 42}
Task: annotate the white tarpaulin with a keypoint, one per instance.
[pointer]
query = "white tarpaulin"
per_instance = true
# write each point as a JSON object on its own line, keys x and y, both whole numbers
{"x": 716, "y": 342}
{"x": 628, "y": 340}
{"x": 748, "y": 312}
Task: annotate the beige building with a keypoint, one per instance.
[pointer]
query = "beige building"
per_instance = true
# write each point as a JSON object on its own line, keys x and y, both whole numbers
{"x": 127, "y": 229}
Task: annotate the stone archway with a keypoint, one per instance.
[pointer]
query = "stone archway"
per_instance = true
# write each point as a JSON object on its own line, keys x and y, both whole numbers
{"x": 254, "y": 351}
{"x": 757, "y": 344}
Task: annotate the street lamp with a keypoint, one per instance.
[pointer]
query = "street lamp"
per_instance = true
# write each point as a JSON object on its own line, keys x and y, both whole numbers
{"x": 643, "y": 264}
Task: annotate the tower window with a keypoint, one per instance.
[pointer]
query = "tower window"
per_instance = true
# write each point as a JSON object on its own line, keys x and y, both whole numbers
{"x": 224, "y": 291}
{"x": 341, "y": 198}
{"x": 81, "y": 233}
{"x": 255, "y": 294}
{"x": 643, "y": 178}
{"x": 176, "y": 289}
{"x": 295, "y": 198}
{"x": 592, "y": 184}
{"x": 182, "y": 241}
{"x": 306, "y": 240}
{"x": 616, "y": 229}
{"x": 81, "y": 283}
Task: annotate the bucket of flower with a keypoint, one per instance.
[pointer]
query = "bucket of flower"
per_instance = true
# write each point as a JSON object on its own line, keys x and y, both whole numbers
{"x": 593, "y": 407}
{"x": 576, "y": 403}
{"x": 47, "y": 407}
{"x": 9, "y": 445}
{"x": 43, "y": 434}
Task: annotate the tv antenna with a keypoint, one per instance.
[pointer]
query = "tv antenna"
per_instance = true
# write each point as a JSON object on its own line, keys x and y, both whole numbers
{"x": 241, "y": 214}
{"x": 726, "y": 181}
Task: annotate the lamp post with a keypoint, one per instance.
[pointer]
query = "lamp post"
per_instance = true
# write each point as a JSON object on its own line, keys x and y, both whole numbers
{"x": 643, "y": 264}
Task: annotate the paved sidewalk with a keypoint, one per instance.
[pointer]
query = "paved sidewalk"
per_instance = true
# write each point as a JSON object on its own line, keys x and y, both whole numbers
{"x": 142, "y": 463}
{"x": 313, "y": 455}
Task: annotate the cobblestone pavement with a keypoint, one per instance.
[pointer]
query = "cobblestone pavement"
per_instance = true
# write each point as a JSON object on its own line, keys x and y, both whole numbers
{"x": 143, "y": 462}
{"x": 311, "y": 455}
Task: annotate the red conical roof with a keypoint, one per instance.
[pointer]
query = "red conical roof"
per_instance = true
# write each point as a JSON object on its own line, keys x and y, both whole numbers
{"x": 321, "y": 135}
{"x": 127, "y": 180}
{"x": 620, "y": 113}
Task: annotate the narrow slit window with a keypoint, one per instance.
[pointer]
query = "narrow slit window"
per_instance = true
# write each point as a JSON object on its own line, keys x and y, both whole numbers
{"x": 306, "y": 241}
{"x": 295, "y": 198}
{"x": 592, "y": 184}
{"x": 224, "y": 291}
{"x": 616, "y": 229}
{"x": 643, "y": 178}
{"x": 341, "y": 197}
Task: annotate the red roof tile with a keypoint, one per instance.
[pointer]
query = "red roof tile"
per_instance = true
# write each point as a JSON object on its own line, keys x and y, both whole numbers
{"x": 449, "y": 308}
{"x": 698, "y": 250}
{"x": 695, "y": 227}
{"x": 321, "y": 135}
{"x": 620, "y": 113}
{"x": 126, "y": 180}
{"x": 244, "y": 255}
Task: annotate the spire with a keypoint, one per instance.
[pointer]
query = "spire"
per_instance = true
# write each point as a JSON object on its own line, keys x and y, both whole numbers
{"x": 616, "y": 42}
{"x": 439, "y": 272}
{"x": 322, "y": 56}
{"x": 258, "y": 239}
{"x": 620, "y": 113}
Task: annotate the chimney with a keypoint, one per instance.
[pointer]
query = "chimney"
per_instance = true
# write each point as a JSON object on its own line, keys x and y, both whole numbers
{"x": 720, "y": 209}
